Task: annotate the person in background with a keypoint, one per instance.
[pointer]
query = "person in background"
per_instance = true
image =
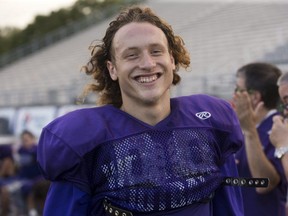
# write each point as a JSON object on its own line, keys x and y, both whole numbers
{"x": 279, "y": 131}
{"x": 18, "y": 188}
{"x": 7, "y": 171}
{"x": 141, "y": 152}
{"x": 6, "y": 150}
{"x": 255, "y": 101}
{"x": 7, "y": 166}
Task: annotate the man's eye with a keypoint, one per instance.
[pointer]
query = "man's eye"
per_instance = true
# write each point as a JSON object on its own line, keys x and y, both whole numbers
{"x": 155, "y": 52}
{"x": 131, "y": 55}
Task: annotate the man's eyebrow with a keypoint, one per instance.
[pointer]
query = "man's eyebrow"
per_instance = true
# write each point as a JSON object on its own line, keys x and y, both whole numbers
{"x": 130, "y": 48}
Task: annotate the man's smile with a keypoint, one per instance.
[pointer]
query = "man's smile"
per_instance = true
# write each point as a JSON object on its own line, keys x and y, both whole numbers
{"x": 147, "y": 79}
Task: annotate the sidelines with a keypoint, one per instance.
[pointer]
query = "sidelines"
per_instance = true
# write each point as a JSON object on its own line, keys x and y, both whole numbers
{"x": 33, "y": 118}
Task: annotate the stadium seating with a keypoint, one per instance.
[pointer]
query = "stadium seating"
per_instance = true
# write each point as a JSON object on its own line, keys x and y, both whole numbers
{"x": 220, "y": 36}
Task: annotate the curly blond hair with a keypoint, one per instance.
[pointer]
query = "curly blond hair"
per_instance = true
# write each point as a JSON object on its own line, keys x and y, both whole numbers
{"x": 109, "y": 90}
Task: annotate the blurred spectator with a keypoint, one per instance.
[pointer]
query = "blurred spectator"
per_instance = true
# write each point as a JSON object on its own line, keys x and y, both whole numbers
{"x": 255, "y": 100}
{"x": 279, "y": 132}
{"x": 6, "y": 155}
{"x": 18, "y": 189}
{"x": 7, "y": 168}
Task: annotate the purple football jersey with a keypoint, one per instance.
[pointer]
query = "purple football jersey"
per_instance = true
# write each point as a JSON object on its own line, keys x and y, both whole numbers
{"x": 173, "y": 168}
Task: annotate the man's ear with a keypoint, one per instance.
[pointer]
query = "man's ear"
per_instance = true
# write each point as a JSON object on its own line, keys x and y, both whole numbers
{"x": 172, "y": 61}
{"x": 112, "y": 70}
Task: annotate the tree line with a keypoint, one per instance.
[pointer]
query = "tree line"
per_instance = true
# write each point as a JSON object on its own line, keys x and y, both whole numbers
{"x": 11, "y": 37}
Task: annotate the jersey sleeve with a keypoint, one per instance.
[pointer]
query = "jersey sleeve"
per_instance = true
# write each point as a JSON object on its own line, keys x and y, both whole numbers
{"x": 229, "y": 124}
{"x": 228, "y": 199}
{"x": 64, "y": 199}
{"x": 59, "y": 162}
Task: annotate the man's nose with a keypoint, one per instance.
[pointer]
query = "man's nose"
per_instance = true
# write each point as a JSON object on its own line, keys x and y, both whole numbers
{"x": 147, "y": 61}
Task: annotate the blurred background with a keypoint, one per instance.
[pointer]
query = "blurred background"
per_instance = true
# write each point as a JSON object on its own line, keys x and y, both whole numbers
{"x": 43, "y": 46}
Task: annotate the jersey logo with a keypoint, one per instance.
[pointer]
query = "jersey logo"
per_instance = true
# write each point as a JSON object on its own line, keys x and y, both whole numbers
{"x": 203, "y": 115}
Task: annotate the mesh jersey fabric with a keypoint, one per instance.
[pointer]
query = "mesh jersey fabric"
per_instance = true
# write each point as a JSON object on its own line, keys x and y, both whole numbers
{"x": 107, "y": 153}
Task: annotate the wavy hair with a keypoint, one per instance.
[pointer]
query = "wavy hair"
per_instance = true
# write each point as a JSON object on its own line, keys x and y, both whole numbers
{"x": 107, "y": 89}
{"x": 262, "y": 77}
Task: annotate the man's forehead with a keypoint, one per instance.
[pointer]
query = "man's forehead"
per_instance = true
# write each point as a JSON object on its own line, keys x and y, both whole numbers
{"x": 134, "y": 29}
{"x": 135, "y": 35}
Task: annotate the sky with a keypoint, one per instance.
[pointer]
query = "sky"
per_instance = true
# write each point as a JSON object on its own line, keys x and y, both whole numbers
{"x": 19, "y": 13}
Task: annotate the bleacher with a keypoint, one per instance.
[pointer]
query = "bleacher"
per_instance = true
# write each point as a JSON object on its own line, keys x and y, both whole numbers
{"x": 221, "y": 37}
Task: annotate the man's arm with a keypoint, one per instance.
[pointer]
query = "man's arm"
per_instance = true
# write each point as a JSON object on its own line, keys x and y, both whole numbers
{"x": 260, "y": 166}
{"x": 228, "y": 199}
{"x": 64, "y": 199}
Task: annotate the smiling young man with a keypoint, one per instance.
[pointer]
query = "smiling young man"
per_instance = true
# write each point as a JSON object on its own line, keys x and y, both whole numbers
{"x": 141, "y": 152}
{"x": 142, "y": 64}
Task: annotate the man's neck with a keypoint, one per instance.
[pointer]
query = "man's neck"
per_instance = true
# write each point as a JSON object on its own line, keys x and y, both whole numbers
{"x": 262, "y": 115}
{"x": 150, "y": 114}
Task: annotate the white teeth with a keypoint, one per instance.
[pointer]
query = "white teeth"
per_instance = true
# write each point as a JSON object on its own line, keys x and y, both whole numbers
{"x": 147, "y": 79}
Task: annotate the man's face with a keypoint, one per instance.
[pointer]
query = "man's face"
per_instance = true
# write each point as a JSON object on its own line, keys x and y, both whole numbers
{"x": 283, "y": 92}
{"x": 241, "y": 87}
{"x": 27, "y": 140}
{"x": 240, "y": 84}
{"x": 142, "y": 64}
